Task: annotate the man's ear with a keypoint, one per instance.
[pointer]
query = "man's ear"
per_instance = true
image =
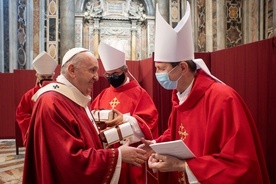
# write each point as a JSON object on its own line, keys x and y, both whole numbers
{"x": 71, "y": 70}
{"x": 184, "y": 66}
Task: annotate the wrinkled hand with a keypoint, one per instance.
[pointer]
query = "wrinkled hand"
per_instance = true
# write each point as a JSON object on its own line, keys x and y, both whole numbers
{"x": 118, "y": 118}
{"x": 145, "y": 146}
{"x": 166, "y": 163}
{"x": 131, "y": 155}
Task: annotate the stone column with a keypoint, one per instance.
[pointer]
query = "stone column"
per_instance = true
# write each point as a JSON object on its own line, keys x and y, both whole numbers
{"x": 96, "y": 42}
{"x": 30, "y": 33}
{"x": 67, "y": 26}
{"x": 220, "y": 25}
{"x": 183, "y": 8}
{"x": 274, "y": 17}
{"x": 78, "y": 31}
{"x": 133, "y": 39}
{"x": 96, "y": 31}
{"x": 90, "y": 35}
{"x": 209, "y": 25}
{"x": 251, "y": 21}
{"x": 2, "y": 38}
{"x": 150, "y": 36}
{"x": 163, "y": 6}
{"x": 12, "y": 37}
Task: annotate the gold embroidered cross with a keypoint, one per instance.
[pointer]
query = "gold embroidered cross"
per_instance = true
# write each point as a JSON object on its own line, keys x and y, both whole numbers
{"x": 113, "y": 103}
{"x": 182, "y": 132}
{"x": 182, "y": 180}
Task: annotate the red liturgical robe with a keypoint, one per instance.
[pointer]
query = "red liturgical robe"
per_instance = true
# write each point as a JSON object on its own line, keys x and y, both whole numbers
{"x": 63, "y": 145}
{"x": 24, "y": 111}
{"x": 133, "y": 99}
{"x": 217, "y": 126}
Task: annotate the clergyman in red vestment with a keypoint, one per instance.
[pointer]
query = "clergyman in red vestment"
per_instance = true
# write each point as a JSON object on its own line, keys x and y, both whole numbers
{"x": 134, "y": 105}
{"x": 44, "y": 66}
{"x": 63, "y": 144}
{"x": 207, "y": 115}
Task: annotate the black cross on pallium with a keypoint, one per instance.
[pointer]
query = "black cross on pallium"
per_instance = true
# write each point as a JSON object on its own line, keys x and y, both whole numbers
{"x": 56, "y": 86}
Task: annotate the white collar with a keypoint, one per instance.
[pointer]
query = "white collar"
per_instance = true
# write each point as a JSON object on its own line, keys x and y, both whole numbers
{"x": 78, "y": 97}
{"x": 183, "y": 96}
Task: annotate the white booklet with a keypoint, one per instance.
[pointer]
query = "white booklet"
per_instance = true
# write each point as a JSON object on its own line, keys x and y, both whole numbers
{"x": 173, "y": 148}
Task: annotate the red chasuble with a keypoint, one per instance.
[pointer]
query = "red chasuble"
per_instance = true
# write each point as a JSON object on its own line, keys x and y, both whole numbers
{"x": 24, "y": 111}
{"x": 63, "y": 145}
{"x": 217, "y": 126}
{"x": 131, "y": 98}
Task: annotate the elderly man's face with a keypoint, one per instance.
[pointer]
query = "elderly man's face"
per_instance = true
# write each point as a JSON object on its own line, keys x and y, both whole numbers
{"x": 86, "y": 73}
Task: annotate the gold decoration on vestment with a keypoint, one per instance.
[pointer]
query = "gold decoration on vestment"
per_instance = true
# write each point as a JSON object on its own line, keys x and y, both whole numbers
{"x": 182, "y": 132}
{"x": 113, "y": 103}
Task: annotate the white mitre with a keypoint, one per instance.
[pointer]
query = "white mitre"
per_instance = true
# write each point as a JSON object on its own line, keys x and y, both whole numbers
{"x": 71, "y": 53}
{"x": 44, "y": 64}
{"x": 175, "y": 45}
{"x": 111, "y": 57}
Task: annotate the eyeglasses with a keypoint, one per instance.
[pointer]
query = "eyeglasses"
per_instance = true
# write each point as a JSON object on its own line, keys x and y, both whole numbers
{"x": 114, "y": 75}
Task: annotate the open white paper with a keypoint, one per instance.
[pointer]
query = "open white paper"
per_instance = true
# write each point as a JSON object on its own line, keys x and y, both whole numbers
{"x": 173, "y": 148}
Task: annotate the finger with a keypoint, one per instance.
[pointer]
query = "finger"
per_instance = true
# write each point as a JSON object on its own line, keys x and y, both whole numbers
{"x": 110, "y": 121}
{"x": 141, "y": 151}
{"x": 143, "y": 140}
{"x": 127, "y": 142}
{"x": 146, "y": 142}
{"x": 136, "y": 164}
{"x": 141, "y": 157}
{"x": 116, "y": 112}
{"x": 141, "y": 146}
{"x": 159, "y": 158}
{"x": 139, "y": 161}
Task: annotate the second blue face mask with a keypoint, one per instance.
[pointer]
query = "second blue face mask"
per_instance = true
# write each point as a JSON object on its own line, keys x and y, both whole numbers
{"x": 165, "y": 82}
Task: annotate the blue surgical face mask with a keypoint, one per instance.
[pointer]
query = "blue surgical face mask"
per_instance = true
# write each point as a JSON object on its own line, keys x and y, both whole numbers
{"x": 164, "y": 80}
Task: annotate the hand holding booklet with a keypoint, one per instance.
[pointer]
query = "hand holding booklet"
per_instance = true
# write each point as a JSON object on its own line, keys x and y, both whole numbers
{"x": 173, "y": 148}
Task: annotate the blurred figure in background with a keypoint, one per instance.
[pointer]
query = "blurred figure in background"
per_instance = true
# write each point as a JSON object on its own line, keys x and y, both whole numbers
{"x": 44, "y": 66}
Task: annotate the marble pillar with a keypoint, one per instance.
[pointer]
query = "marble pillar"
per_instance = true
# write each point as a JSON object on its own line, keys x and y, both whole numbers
{"x": 29, "y": 34}
{"x": 194, "y": 20}
{"x": 13, "y": 44}
{"x": 274, "y": 17}
{"x": 79, "y": 31}
{"x": 183, "y": 4}
{"x": 91, "y": 37}
{"x": 209, "y": 25}
{"x": 42, "y": 12}
{"x": 150, "y": 36}
{"x": 67, "y": 26}
{"x": 250, "y": 21}
{"x": 96, "y": 42}
{"x": 1, "y": 37}
{"x": 38, "y": 27}
{"x": 133, "y": 39}
{"x": 221, "y": 26}
{"x": 163, "y": 6}
{"x": 96, "y": 35}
